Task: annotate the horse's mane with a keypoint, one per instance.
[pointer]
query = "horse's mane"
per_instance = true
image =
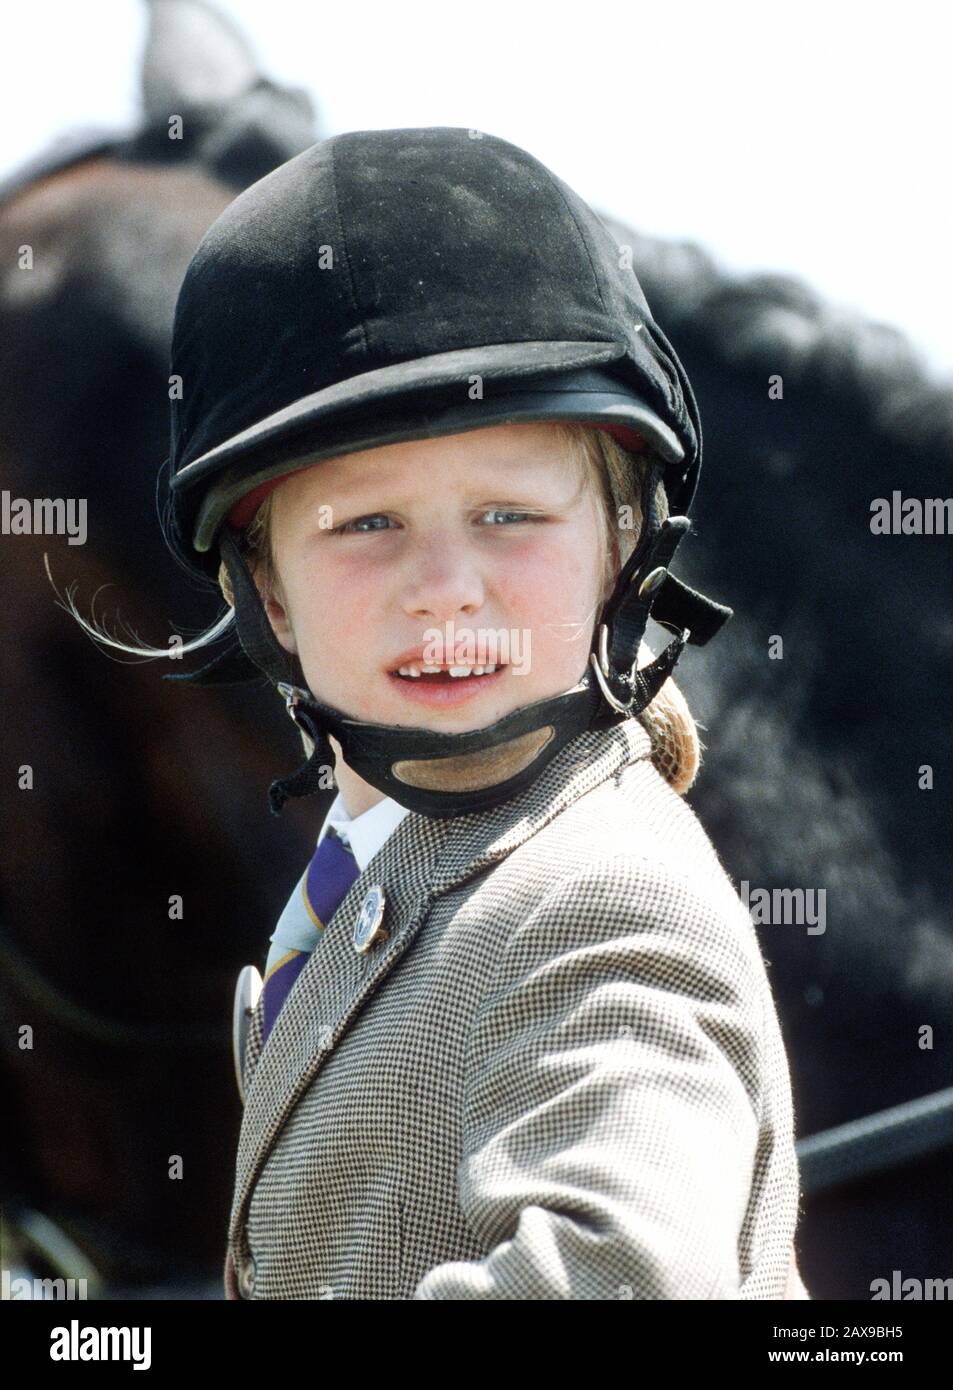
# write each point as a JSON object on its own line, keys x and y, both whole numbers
{"x": 758, "y": 321}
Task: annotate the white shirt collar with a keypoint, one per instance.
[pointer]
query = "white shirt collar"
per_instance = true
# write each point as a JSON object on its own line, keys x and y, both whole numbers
{"x": 368, "y": 831}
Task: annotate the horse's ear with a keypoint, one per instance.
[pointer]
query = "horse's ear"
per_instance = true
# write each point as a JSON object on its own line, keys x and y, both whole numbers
{"x": 198, "y": 65}
{"x": 194, "y": 56}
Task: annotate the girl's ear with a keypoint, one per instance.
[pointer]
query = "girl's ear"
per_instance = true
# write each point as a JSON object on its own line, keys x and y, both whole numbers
{"x": 273, "y": 600}
{"x": 614, "y": 567}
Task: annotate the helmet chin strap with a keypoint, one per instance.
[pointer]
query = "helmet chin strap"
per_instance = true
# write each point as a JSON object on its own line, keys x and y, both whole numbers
{"x": 453, "y": 774}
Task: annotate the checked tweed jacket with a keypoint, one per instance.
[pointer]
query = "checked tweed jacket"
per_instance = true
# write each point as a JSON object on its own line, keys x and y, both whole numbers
{"x": 560, "y": 1077}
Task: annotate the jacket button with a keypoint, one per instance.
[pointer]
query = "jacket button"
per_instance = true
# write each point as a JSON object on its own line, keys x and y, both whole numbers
{"x": 246, "y": 1278}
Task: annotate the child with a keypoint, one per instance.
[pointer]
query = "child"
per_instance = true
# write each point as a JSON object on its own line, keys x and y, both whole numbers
{"x": 516, "y": 1038}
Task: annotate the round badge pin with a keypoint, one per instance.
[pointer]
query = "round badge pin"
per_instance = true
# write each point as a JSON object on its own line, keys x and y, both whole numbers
{"x": 247, "y": 991}
{"x": 368, "y": 931}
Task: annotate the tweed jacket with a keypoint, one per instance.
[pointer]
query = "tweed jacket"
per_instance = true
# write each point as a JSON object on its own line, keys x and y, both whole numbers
{"x": 560, "y": 1076}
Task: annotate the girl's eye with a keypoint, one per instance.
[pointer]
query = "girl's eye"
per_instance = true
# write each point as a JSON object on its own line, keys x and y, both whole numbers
{"x": 356, "y": 527}
{"x": 523, "y": 516}
{"x": 348, "y": 526}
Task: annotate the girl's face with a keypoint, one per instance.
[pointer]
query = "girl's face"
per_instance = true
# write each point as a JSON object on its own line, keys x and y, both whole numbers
{"x": 469, "y": 549}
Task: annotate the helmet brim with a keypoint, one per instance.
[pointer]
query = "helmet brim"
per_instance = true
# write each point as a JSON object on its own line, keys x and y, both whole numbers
{"x": 425, "y": 398}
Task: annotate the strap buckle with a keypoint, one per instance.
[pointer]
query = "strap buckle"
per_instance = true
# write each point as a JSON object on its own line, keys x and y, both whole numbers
{"x": 604, "y": 674}
{"x": 653, "y": 675}
{"x": 293, "y": 696}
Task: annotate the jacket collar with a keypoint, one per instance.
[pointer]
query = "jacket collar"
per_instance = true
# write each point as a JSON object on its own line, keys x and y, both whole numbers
{"x": 422, "y": 859}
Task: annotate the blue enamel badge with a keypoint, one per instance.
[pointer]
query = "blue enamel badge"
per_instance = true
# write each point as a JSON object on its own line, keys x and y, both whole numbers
{"x": 367, "y": 929}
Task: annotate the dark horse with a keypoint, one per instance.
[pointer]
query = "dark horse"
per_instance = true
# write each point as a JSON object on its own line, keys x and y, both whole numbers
{"x": 140, "y": 790}
{"x": 813, "y": 774}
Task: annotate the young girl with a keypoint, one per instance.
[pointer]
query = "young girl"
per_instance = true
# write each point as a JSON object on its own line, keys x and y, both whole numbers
{"x": 515, "y": 1038}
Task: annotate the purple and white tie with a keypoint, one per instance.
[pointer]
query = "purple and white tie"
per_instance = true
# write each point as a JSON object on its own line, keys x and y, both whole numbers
{"x": 330, "y": 874}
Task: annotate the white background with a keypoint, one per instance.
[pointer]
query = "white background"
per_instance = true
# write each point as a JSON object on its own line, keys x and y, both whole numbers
{"x": 812, "y": 139}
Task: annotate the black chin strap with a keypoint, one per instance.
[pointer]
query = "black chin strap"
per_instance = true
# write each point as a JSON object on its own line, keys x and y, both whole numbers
{"x": 644, "y": 588}
{"x": 442, "y": 774}
{"x": 261, "y": 646}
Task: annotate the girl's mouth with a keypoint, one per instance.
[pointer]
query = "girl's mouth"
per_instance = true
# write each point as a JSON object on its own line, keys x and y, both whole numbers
{"x": 442, "y": 689}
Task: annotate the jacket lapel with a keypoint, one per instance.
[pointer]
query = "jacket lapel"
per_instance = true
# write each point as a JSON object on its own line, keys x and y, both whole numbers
{"x": 423, "y": 858}
{"x": 332, "y": 987}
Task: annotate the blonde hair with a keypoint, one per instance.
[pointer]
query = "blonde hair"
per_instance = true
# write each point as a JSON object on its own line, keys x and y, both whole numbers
{"x": 618, "y": 477}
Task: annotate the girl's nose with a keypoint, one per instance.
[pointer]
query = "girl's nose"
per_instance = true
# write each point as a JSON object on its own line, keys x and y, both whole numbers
{"x": 442, "y": 581}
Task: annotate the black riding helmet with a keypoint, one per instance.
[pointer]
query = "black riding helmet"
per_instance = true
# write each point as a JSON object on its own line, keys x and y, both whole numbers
{"x": 403, "y": 284}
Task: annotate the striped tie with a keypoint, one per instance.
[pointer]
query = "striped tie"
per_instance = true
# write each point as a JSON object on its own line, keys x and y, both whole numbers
{"x": 330, "y": 874}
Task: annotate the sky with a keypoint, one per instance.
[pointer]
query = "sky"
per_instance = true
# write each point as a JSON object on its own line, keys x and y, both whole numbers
{"x": 811, "y": 140}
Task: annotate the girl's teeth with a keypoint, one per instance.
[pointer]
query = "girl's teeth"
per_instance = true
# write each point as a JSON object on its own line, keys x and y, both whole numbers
{"x": 454, "y": 671}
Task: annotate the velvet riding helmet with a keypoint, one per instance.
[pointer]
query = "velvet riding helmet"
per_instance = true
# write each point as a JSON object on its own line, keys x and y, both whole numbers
{"x": 351, "y": 299}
